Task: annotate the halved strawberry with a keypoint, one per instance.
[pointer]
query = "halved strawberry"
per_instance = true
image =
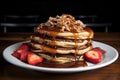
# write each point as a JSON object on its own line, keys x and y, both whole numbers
{"x": 16, "y": 54}
{"x": 24, "y": 46}
{"x": 93, "y": 56}
{"x": 34, "y": 59}
{"x": 99, "y": 49}
{"x": 21, "y": 52}
{"x": 23, "y": 56}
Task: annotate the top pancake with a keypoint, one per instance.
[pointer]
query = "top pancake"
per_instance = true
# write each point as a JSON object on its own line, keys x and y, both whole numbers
{"x": 87, "y": 33}
{"x": 65, "y": 26}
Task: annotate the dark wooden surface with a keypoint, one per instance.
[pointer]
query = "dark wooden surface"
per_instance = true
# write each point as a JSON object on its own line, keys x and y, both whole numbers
{"x": 12, "y": 72}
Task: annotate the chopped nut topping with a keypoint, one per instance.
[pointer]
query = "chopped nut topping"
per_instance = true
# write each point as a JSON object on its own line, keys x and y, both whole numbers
{"x": 64, "y": 22}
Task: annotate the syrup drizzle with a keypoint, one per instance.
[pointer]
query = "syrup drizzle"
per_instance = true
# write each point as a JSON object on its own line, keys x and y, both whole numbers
{"x": 53, "y": 51}
{"x": 75, "y": 35}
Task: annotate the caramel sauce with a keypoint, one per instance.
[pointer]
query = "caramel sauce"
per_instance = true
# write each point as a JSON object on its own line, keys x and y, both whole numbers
{"x": 51, "y": 50}
{"x": 75, "y": 35}
{"x": 53, "y": 43}
{"x": 90, "y": 31}
{"x": 73, "y": 64}
{"x": 53, "y": 33}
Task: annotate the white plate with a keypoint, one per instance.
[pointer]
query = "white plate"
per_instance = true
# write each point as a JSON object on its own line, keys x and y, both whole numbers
{"x": 110, "y": 56}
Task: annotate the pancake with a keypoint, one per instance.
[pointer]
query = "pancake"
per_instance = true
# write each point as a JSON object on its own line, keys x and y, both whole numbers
{"x": 59, "y": 42}
{"x": 62, "y": 37}
{"x": 62, "y": 58}
{"x": 85, "y": 34}
{"x": 59, "y": 50}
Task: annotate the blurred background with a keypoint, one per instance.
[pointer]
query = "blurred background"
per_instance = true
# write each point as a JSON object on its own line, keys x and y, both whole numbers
{"x": 29, "y": 14}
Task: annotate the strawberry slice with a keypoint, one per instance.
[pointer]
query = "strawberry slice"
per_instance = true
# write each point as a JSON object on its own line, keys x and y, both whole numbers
{"x": 23, "y": 56}
{"x": 100, "y": 50}
{"x": 93, "y": 56}
{"x": 21, "y": 52}
{"x": 24, "y": 46}
{"x": 16, "y": 54}
{"x": 34, "y": 59}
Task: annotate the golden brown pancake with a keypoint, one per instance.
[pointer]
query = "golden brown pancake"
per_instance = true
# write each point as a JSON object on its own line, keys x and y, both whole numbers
{"x": 85, "y": 34}
{"x": 79, "y": 51}
{"x": 60, "y": 42}
{"x": 62, "y": 35}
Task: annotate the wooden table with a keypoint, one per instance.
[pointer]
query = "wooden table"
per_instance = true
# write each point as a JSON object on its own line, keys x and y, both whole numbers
{"x": 12, "y": 72}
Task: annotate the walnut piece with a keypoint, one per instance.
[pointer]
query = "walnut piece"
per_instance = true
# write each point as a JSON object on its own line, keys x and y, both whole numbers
{"x": 64, "y": 22}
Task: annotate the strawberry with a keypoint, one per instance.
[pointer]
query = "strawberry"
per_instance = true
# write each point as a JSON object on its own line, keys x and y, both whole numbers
{"x": 99, "y": 49}
{"x": 34, "y": 59}
{"x": 16, "y": 54}
{"x": 21, "y": 52}
{"x": 24, "y": 46}
{"x": 23, "y": 56}
{"x": 93, "y": 56}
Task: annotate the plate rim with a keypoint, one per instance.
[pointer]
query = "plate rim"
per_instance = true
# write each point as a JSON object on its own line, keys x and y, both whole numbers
{"x": 58, "y": 70}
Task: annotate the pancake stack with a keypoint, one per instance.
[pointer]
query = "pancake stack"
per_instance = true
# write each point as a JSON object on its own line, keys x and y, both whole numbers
{"x": 62, "y": 39}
